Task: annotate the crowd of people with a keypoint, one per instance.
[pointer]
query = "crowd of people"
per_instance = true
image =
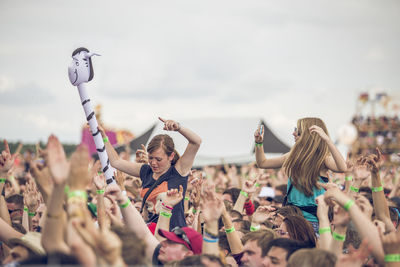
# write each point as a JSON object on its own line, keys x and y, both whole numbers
{"x": 380, "y": 131}
{"x": 309, "y": 207}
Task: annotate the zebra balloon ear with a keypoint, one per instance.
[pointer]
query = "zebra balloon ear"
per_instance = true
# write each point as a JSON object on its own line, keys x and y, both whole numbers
{"x": 81, "y": 69}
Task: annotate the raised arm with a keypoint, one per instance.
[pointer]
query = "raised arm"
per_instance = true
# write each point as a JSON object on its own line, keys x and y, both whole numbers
{"x": 133, "y": 220}
{"x": 379, "y": 200}
{"x": 335, "y": 162}
{"x": 185, "y": 162}
{"x": 132, "y": 168}
{"x": 262, "y": 161}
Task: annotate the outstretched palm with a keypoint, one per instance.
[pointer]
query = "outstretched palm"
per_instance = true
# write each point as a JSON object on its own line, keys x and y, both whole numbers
{"x": 59, "y": 166}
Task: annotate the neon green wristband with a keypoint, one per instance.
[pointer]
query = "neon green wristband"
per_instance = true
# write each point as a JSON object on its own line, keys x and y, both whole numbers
{"x": 254, "y": 228}
{"x": 259, "y": 144}
{"x": 348, "y": 204}
{"x": 31, "y": 214}
{"x": 230, "y": 230}
{"x": 186, "y": 198}
{"x": 244, "y": 193}
{"x": 257, "y": 185}
{"x": 66, "y": 189}
{"x": 105, "y": 139}
{"x": 100, "y": 191}
{"x": 392, "y": 258}
{"x": 194, "y": 210}
{"x": 377, "y": 189}
{"x": 166, "y": 214}
{"x": 324, "y": 230}
{"x": 354, "y": 189}
{"x": 339, "y": 237}
{"x": 78, "y": 193}
{"x": 25, "y": 208}
{"x": 126, "y": 204}
{"x": 3, "y": 180}
{"x": 348, "y": 178}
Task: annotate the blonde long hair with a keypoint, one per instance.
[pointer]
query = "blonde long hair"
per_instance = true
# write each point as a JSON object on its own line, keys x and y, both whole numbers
{"x": 307, "y": 156}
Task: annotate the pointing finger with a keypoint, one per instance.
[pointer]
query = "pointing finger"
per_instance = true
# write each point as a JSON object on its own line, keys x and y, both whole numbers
{"x": 161, "y": 119}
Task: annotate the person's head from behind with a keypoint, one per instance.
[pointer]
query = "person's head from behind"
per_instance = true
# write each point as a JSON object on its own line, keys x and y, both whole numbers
{"x": 205, "y": 260}
{"x": 181, "y": 242}
{"x": 253, "y": 245}
{"x": 297, "y": 228}
{"x": 25, "y": 247}
{"x": 279, "y": 250}
{"x": 162, "y": 153}
{"x": 312, "y": 257}
{"x": 307, "y": 157}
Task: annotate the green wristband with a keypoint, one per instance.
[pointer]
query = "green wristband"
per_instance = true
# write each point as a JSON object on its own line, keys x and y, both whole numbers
{"x": 354, "y": 189}
{"x": 166, "y": 214}
{"x": 78, "y": 193}
{"x": 339, "y": 237}
{"x": 392, "y": 258}
{"x": 126, "y": 204}
{"x": 105, "y": 139}
{"x": 257, "y": 185}
{"x": 348, "y": 178}
{"x": 3, "y": 180}
{"x": 100, "y": 191}
{"x": 259, "y": 144}
{"x": 324, "y": 230}
{"x": 186, "y": 198}
{"x": 230, "y": 230}
{"x": 244, "y": 193}
{"x": 25, "y": 208}
{"x": 66, "y": 189}
{"x": 348, "y": 204}
{"x": 194, "y": 210}
{"x": 377, "y": 189}
{"x": 31, "y": 214}
{"x": 254, "y": 228}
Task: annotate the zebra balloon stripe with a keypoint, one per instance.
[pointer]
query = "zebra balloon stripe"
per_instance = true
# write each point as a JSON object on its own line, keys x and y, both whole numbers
{"x": 80, "y": 72}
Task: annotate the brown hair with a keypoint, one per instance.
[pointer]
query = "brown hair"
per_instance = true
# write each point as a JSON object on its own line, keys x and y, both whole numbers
{"x": 263, "y": 237}
{"x": 300, "y": 229}
{"x": 133, "y": 248}
{"x": 312, "y": 257}
{"x": 306, "y": 158}
{"x": 165, "y": 141}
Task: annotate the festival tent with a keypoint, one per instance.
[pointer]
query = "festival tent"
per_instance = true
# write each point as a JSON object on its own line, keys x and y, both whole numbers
{"x": 224, "y": 140}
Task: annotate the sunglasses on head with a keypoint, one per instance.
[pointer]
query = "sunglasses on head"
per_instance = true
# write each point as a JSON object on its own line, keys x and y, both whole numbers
{"x": 182, "y": 235}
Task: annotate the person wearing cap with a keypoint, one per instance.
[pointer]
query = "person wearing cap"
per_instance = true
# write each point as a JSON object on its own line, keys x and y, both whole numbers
{"x": 179, "y": 243}
{"x": 24, "y": 247}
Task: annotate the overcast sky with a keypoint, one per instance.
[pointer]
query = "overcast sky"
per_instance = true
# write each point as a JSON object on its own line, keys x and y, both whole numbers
{"x": 275, "y": 60}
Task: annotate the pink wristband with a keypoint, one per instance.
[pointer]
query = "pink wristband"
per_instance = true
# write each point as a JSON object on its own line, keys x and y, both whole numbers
{"x": 168, "y": 207}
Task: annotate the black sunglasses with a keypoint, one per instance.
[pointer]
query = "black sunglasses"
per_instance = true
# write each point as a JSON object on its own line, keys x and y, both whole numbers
{"x": 182, "y": 235}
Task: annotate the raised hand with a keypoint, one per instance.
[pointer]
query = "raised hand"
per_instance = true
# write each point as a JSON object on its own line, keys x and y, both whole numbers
{"x": 57, "y": 161}
{"x": 142, "y": 155}
{"x": 6, "y": 159}
{"x": 99, "y": 181}
{"x": 31, "y": 196}
{"x": 259, "y": 134}
{"x": 373, "y": 161}
{"x": 249, "y": 186}
{"x": 211, "y": 206}
{"x": 170, "y": 125}
{"x": 361, "y": 173}
{"x": 79, "y": 177}
{"x": 120, "y": 179}
{"x": 174, "y": 196}
{"x": 391, "y": 242}
{"x": 320, "y": 132}
{"x": 262, "y": 214}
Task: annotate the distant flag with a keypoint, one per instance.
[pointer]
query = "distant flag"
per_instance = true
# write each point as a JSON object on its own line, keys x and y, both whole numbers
{"x": 363, "y": 97}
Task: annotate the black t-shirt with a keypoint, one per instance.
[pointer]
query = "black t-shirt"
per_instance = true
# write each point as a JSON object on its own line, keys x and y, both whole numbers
{"x": 172, "y": 180}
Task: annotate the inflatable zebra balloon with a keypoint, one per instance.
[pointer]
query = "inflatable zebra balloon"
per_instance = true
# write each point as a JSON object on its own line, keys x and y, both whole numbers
{"x": 81, "y": 72}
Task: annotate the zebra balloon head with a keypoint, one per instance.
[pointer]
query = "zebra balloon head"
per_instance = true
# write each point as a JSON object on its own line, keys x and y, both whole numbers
{"x": 81, "y": 68}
